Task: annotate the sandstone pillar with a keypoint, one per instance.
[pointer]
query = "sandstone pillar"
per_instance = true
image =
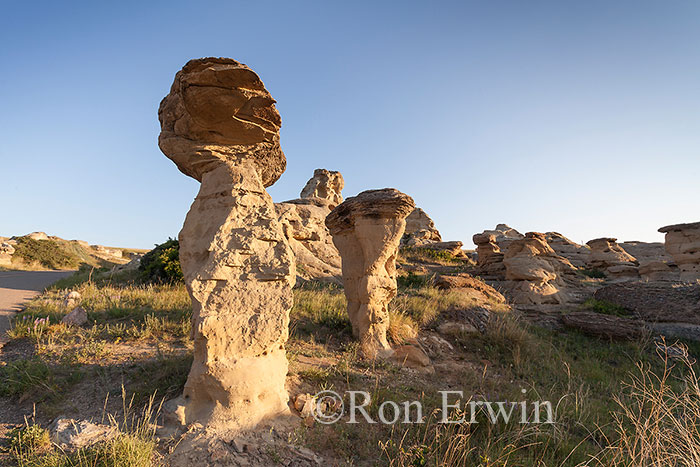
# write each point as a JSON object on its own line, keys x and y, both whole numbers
{"x": 683, "y": 244}
{"x": 220, "y": 126}
{"x": 367, "y": 230}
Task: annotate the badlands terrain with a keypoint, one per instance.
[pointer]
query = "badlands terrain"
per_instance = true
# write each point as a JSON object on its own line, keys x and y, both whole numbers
{"x": 210, "y": 349}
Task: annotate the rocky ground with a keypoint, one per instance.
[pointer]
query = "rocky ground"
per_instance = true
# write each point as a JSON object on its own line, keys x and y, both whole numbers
{"x": 136, "y": 344}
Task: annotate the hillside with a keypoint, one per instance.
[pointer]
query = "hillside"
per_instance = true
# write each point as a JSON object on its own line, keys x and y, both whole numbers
{"x": 39, "y": 251}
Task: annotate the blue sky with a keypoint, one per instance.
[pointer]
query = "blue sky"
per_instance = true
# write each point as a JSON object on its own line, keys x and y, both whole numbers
{"x": 579, "y": 117}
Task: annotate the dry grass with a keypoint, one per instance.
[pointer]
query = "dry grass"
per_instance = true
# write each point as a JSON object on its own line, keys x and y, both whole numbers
{"x": 424, "y": 304}
{"x": 657, "y": 423}
{"x": 133, "y": 446}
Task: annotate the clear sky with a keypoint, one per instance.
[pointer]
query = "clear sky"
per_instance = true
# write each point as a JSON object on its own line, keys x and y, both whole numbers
{"x": 581, "y": 117}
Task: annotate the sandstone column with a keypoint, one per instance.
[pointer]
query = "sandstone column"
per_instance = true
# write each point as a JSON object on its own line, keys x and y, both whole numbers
{"x": 367, "y": 230}
{"x": 220, "y": 126}
{"x": 683, "y": 244}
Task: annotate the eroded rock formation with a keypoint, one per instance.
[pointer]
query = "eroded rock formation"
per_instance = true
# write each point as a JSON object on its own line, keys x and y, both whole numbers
{"x": 655, "y": 264}
{"x": 420, "y": 229}
{"x": 489, "y": 256}
{"x": 367, "y": 230}
{"x": 575, "y": 253}
{"x": 683, "y": 244}
{"x": 535, "y": 274}
{"x": 220, "y": 126}
{"x": 303, "y": 224}
{"x": 606, "y": 255}
{"x": 325, "y": 184}
{"x": 504, "y": 235}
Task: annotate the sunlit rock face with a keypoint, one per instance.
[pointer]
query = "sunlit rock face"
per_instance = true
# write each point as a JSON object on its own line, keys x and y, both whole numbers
{"x": 536, "y": 274}
{"x": 606, "y": 255}
{"x": 326, "y": 185}
{"x": 220, "y": 126}
{"x": 367, "y": 230}
{"x": 683, "y": 244}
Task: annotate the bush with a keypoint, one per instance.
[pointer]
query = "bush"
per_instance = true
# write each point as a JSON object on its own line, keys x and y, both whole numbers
{"x": 593, "y": 273}
{"x": 46, "y": 253}
{"x": 606, "y": 308}
{"x": 162, "y": 264}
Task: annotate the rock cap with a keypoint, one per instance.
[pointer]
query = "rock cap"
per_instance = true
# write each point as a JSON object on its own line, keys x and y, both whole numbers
{"x": 218, "y": 110}
{"x": 386, "y": 203}
{"x": 679, "y": 227}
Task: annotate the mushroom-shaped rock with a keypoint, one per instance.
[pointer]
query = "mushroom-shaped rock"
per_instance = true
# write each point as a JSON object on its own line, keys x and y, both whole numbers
{"x": 218, "y": 110}
{"x": 489, "y": 256}
{"x": 367, "y": 230}
{"x": 325, "y": 184}
{"x": 683, "y": 244}
{"x": 608, "y": 256}
{"x": 220, "y": 126}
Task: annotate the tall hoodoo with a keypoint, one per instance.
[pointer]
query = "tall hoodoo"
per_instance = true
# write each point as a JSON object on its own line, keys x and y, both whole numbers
{"x": 220, "y": 126}
{"x": 683, "y": 244}
{"x": 367, "y": 230}
{"x": 325, "y": 184}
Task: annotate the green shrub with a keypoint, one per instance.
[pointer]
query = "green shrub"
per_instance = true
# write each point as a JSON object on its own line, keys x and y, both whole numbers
{"x": 162, "y": 264}
{"x": 593, "y": 273}
{"x": 606, "y": 308}
{"x": 46, "y": 253}
{"x": 411, "y": 281}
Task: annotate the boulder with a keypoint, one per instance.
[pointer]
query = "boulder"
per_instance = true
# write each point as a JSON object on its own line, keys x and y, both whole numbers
{"x": 683, "y": 244}
{"x": 325, "y": 184}
{"x": 606, "y": 255}
{"x": 304, "y": 227}
{"x": 411, "y": 356}
{"x": 367, "y": 230}
{"x": 38, "y": 236}
{"x": 76, "y": 318}
{"x": 220, "y": 126}
{"x": 72, "y": 434}
{"x": 535, "y": 274}
{"x": 575, "y": 253}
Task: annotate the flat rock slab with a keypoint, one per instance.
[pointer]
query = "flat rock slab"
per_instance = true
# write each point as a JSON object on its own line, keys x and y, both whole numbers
{"x": 16, "y": 287}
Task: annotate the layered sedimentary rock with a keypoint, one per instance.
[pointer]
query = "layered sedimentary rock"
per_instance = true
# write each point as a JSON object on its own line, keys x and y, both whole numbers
{"x": 220, "y": 126}
{"x": 420, "y": 229}
{"x": 606, "y": 255}
{"x": 489, "y": 256}
{"x": 504, "y": 235}
{"x": 325, "y": 184}
{"x": 303, "y": 224}
{"x": 655, "y": 302}
{"x": 575, "y": 253}
{"x": 655, "y": 264}
{"x": 535, "y": 274}
{"x": 367, "y": 230}
{"x": 683, "y": 244}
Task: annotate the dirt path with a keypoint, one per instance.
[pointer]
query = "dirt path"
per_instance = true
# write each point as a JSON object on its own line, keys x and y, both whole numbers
{"x": 16, "y": 287}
